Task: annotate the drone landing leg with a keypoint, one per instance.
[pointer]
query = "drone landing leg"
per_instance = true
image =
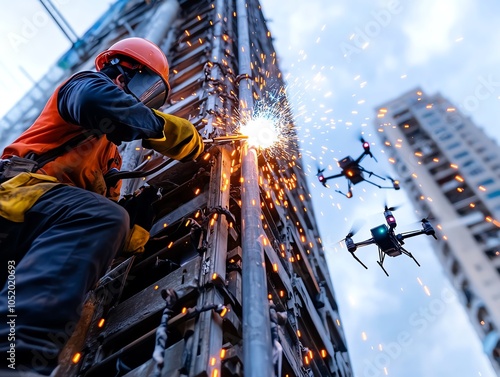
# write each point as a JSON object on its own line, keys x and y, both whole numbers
{"x": 406, "y": 252}
{"x": 382, "y": 267}
{"x": 361, "y": 263}
{"x": 381, "y": 256}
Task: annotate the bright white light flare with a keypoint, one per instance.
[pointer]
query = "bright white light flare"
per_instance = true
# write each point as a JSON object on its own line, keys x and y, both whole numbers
{"x": 261, "y": 132}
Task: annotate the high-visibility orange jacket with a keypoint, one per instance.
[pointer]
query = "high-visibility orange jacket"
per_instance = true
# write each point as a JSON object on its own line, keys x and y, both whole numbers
{"x": 88, "y": 102}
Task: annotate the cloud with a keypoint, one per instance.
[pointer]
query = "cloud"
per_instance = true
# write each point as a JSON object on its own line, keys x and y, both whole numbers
{"x": 429, "y": 27}
{"x": 303, "y": 21}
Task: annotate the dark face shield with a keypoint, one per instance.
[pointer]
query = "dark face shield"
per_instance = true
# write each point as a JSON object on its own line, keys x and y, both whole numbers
{"x": 148, "y": 88}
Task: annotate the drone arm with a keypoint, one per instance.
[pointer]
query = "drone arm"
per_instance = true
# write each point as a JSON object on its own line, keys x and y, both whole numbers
{"x": 412, "y": 234}
{"x": 364, "y": 243}
{"x": 362, "y": 155}
{"x": 334, "y": 176}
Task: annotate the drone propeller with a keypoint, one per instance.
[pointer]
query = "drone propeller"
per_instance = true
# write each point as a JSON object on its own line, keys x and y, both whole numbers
{"x": 356, "y": 226}
{"x": 320, "y": 176}
{"x": 427, "y": 218}
{"x": 386, "y": 208}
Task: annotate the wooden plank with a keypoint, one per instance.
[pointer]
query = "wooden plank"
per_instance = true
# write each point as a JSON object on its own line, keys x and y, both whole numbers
{"x": 149, "y": 301}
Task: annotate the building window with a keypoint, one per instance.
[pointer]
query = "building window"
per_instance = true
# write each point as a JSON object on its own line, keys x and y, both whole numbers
{"x": 446, "y": 136}
{"x": 483, "y": 319}
{"x": 494, "y": 194}
{"x": 486, "y": 182}
{"x": 490, "y": 157}
{"x": 493, "y": 253}
{"x": 454, "y": 145}
{"x": 476, "y": 171}
{"x": 461, "y": 154}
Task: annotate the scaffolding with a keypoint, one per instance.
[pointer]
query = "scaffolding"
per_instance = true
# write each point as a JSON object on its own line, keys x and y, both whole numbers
{"x": 235, "y": 224}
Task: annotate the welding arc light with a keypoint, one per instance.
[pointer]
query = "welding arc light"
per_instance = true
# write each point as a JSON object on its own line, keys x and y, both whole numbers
{"x": 261, "y": 132}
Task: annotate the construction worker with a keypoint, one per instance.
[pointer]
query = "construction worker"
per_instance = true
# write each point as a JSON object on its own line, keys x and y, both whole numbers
{"x": 59, "y": 230}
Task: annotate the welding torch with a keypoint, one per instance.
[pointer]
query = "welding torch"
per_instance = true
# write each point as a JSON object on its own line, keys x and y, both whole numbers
{"x": 114, "y": 175}
{"x": 224, "y": 139}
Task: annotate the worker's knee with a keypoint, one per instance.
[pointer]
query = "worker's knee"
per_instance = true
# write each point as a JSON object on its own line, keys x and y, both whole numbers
{"x": 116, "y": 218}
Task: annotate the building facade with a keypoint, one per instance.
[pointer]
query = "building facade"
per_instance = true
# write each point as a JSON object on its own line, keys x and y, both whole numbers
{"x": 450, "y": 169}
{"x": 222, "y": 62}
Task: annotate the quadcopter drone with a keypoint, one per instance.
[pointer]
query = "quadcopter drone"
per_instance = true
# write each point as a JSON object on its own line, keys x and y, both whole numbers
{"x": 353, "y": 171}
{"x": 388, "y": 242}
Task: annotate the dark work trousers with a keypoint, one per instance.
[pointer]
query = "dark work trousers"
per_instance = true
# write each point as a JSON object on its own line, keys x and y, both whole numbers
{"x": 67, "y": 241}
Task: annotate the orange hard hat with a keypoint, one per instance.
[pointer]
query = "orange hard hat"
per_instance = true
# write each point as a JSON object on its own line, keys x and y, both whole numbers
{"x": 140, "y": 50}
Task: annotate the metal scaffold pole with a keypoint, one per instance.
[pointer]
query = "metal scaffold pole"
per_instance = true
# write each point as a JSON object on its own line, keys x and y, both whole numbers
{"x": 257, "y": 347}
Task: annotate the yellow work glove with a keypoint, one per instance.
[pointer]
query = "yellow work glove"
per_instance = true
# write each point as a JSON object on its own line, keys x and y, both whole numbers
{"x": 136, "y": 240}
{"x": 181, "y": 140}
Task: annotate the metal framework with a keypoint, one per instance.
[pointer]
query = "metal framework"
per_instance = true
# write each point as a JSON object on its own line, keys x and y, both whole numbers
{"x": 216, "y": 218}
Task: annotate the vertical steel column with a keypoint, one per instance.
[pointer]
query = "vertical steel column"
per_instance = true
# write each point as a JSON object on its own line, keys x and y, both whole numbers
{"x": 257, "y": 348}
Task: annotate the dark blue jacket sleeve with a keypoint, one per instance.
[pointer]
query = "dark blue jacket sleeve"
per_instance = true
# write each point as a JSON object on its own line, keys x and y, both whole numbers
{"x": 93, "y": 101}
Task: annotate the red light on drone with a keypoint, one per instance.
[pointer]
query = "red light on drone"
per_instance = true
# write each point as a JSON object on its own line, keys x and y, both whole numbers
{"x": 391, "y": 221}
{"x": 366, "y": 145}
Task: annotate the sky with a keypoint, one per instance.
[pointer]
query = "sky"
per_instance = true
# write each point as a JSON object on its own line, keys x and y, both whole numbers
{"x": 341, "y": 60}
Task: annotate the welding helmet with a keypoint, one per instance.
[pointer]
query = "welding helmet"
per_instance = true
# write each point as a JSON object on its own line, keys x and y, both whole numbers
{"x": 146, "y": 77}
